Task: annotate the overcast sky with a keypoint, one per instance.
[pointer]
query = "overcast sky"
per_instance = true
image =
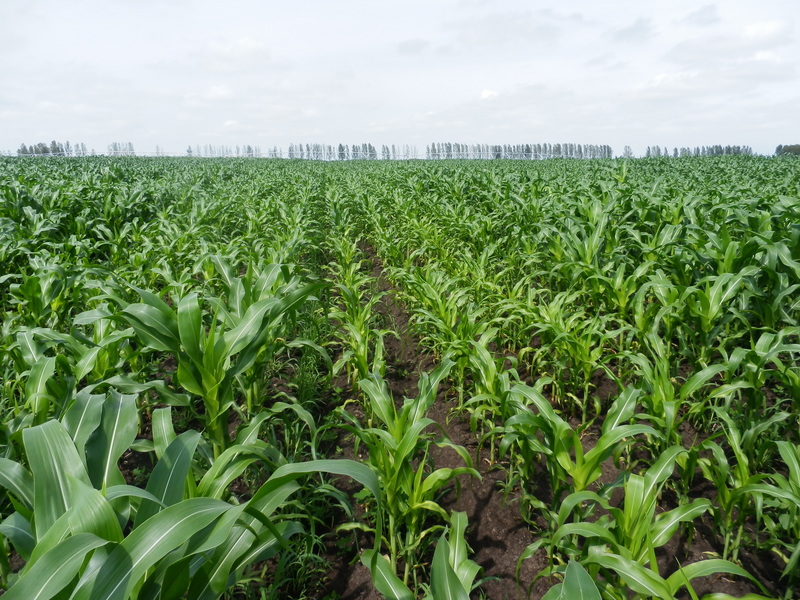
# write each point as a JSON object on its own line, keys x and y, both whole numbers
{"x": 178, "y": 72}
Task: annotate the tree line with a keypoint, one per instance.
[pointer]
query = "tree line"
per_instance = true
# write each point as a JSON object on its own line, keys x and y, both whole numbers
{"x": 517, "y": 151}
{"x": 717, "y": 150}
{"x": 55, "y": 148}
{"x": 433, "y": 151}
{"x": 790, "y": 149}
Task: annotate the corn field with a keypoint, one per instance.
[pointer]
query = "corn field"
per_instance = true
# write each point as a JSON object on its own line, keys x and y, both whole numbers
{"x": 200, "y": 360}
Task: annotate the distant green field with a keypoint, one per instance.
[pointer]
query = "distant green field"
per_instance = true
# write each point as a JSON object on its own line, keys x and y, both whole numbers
{"x": 189, "y": 345}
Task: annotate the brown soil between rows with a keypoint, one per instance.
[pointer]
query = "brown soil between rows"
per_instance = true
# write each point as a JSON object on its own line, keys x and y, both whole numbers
{"x": 496, "y": 532}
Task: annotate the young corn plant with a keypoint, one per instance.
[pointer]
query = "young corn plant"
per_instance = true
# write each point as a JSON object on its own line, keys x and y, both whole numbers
{"x": 213, "y": 350}
{"x": 577, "y": 584}
{"x": 706, "y": 305}
{"x": 571, "y": 468}
{"x": 749, "y": 369}
{"x": 781, "y": 513}
{"x": 85, "y": 534}
{"x": 398, "y": 448}
{"x": 355, "y": 317}
{"x": 494, "y": 400}
{"x": 661, "y": 402}
{"x": 445, "y": 315}
{"x": 618, "y": 550}
{"x": 452, "y": 574}
{"x": 735, "y": 479}
{"x": 261, "y": 283}
{"x": 573, "y": 347}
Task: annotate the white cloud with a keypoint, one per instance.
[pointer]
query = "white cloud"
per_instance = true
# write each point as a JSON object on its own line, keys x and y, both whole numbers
{"x": 704, "y": 16}
{"x": 640, "y": 31}
{"x": 775, "y": 31}
{"x": 197, "y": 71}
{"x": 414, "y": 46}
{"x": 767, "y": 56}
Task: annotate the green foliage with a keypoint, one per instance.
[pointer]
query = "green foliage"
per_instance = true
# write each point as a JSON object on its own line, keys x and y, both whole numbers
{"x": 398, "y": 446}
{"x": 648, "y": 300}
{"x": 121, "y": 541}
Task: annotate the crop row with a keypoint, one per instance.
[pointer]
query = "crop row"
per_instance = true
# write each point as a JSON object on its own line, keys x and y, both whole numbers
{"x": 626, "y": 332}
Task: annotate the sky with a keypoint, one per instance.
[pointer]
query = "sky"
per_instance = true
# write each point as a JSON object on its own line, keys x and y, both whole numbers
{"x": 174, "y": 73}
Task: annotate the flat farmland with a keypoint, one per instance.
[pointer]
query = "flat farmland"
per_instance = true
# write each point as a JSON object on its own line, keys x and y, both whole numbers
{"x": 266, "y": 378}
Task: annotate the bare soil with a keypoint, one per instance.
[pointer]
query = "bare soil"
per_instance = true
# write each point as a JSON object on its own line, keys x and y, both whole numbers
{"x": 497, "y": 533}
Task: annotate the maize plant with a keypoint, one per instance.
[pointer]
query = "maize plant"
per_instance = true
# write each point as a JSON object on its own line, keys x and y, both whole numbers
{"x": 570, "y": 467}
{"x": 361, "y": 340}
{"x": 398, "y": 450}
{"x": 83, "y": 531}
{"x": 210, "y": 355}
{"x": 781, "y": 512}
{"x": 619, "y": 548}
{"x": 452, "y": 573}
{"x": 676, "y": 278}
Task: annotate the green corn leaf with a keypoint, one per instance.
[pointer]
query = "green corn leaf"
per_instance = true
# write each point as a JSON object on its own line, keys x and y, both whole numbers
{"x": 537, "y": 399}
{"x": 429, "y": 383}
{"x": 129, "y": 491}
{"x": 247, "y": 329}
{"x": 588, "y": 469}
{"x": 227, "y": 467}
{"x": 704, "y": 568}
{"x": 156, "y": 327}
{"x": 698, "y": 380}
{"x": 667, "y": 523}
{"x": 53, "y": 460}
{"x": 117, "y": 430}
{"x": 768, "y": 490}
{"x": 587, "y": 530}
{"x": 31, "y": 350}
{"x": 87, "y": 362}
{"x": 445, "y": 583}
{"x": 383, "y": 577}
{"x": 18, "y": 530}
{"x": 410, "y": 439}
{"x": 148, "y": 544}
{"x": 210, "y": 581}
{"x": 55, "y": 570}
{"x": 267, "y": 545}
{"x": 92, "y": 513}
{"x": 575, "y": 499}
{"x": 622, "y": 409}
{"x": 662, "y": 469}
{"x": 190, "y": 327}
{"x": 57, "y": 532}
{"x": 577, "y": 585}
{"x": 36, "y": 394}
{"x": 168, "y": 479}
{"x": 127, "y": 385}
{"x": 640, "y": 579}
{"x": 465, "y": 568}
{"x": 348, "y": 468}
{"x": 89, "y": 317}
{"x": 380, "y": 398}
{"x": 212, "y": 537}
{"x": 163, "y": 430}
{"x": 242, "y": 548}
{"x": 791, "y": 456}
{"x": 170, "y": 579}
{"x": 82, "y": 418}
{"x": 18, "y": 480}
